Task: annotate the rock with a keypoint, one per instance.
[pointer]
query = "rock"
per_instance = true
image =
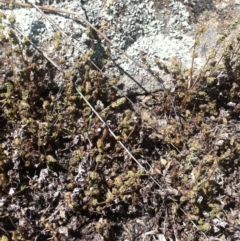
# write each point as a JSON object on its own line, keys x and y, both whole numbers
{"x": 161, "y": 29}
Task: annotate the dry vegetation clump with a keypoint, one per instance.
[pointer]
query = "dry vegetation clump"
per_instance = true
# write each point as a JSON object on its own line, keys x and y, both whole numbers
{"x": 64, "y": 177}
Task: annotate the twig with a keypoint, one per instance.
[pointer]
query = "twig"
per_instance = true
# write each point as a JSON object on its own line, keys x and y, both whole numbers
{"x": 115, "y": 137}
{"x": 57, "y": 27}
{"x": 40, "y": 51}
{"x": 91, "y": 107}
{"x": 59, "y": 10}
{"x": 5, "y": 232}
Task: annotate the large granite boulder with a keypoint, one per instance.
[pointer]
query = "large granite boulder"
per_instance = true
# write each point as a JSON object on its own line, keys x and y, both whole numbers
{"x": 158, "y": 35}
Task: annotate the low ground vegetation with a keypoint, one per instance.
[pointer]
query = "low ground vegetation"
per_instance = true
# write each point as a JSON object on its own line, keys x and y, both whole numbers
{"x": 63, "y": 176}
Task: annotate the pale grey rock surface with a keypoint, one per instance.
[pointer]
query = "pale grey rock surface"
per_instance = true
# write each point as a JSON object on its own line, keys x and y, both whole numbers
{"x": 146, "y": 30}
